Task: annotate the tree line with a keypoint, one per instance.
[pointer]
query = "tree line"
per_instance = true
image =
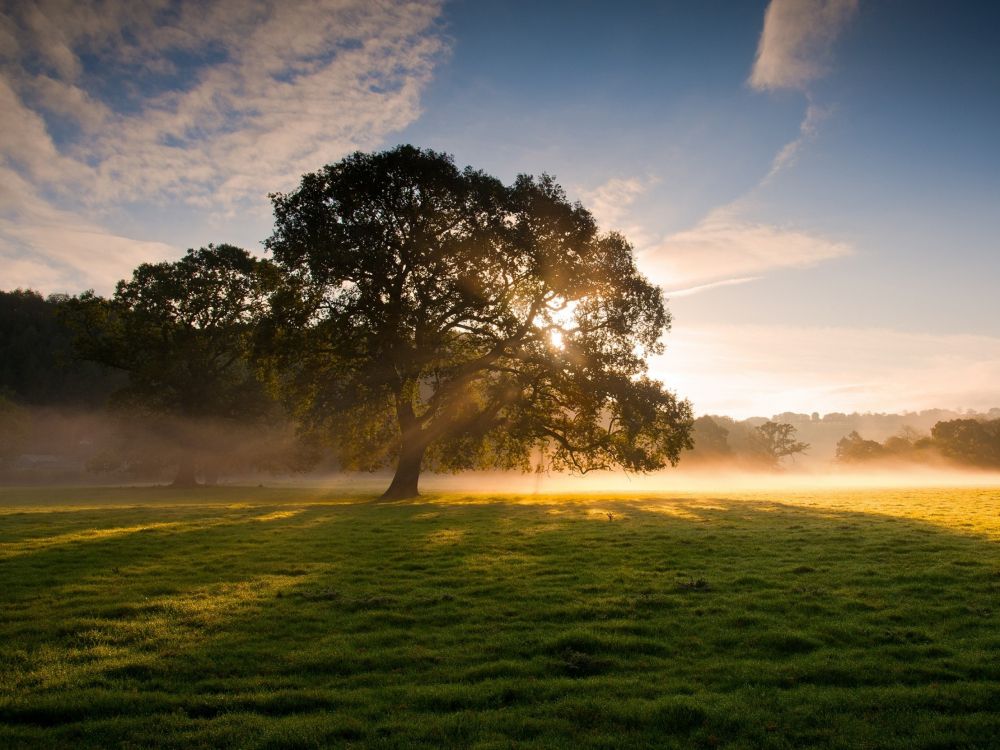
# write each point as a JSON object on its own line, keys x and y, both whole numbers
{"x": 973, "y": 442}
{"x": 744, "y": 444}
{"x": 411, "y": 314}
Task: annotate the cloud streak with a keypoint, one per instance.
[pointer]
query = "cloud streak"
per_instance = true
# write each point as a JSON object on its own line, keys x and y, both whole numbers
{"x": 611, "y": 203}
{"x": 726, "y": 249}
{"x": 790, "y": 151}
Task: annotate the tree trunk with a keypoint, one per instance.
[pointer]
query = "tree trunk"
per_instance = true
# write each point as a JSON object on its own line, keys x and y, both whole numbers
{"x": 404, "y": 482}
{"x": 184, "y": 478}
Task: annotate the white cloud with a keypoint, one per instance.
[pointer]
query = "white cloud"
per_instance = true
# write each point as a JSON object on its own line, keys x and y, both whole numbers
{"x": 296, "y": 85}
{"x": 674, "y": 293}
{"x": 725, "y": 248}
{"x": 69, "y": 101}
{"x": 795, "y": 44}
{"x": 747, "y": 370}
{"x": 211, "y": 105}
{"x": 609, "y": 201}
{"x": 26, "y": 143}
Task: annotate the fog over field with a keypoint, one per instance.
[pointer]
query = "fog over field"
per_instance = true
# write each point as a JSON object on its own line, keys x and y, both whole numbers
{"x": 54, "y": 444}
{"x": 720, "y": 479}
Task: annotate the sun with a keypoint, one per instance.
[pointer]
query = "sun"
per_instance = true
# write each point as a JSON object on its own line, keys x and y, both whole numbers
{"x": 557, "y": 321}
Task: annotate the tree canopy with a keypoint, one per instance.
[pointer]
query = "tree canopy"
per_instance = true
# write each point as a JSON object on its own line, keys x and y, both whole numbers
{"x": 855, "y": 449}
{"x": 971, "y": 441}
{"x": 777, "y": 440}
{"x": 183, "y": 333}
{"x": 435, "y": 316}
{"x": 38, "y": 365}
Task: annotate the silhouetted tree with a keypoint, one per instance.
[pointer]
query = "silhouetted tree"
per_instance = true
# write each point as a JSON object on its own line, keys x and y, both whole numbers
{"x": 710, "y": 439}
{"x": 37, "y": 362}
{"x": 970, "y": 441}
{"x": 777, "y": 440}
{"x": 183, "y": 331}
{"x": 855, "y": 449}
{"x": 904, "y": 443}
{"x": 434, "y": 316}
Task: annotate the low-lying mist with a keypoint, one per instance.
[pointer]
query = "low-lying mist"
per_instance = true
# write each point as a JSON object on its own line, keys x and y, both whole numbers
{"x": 59, "y": 445}
{"x": 53, "y": 445}
{"x": 719, "y": 478}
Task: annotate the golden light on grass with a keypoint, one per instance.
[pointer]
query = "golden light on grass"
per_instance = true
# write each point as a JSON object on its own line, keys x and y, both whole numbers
{"x": 445, "y": 537}
{"x": 129, "y": 637}
{"x": 278, "y": 515}
{"x": 967, "y": 510}
{"x": 14, "y": 549}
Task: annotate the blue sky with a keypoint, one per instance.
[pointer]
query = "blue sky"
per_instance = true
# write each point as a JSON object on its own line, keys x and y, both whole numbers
{"x": 816, "y": 183}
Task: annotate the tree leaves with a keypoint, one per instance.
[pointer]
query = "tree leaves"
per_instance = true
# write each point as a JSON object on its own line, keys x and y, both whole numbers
{"x": 489, "y": 322}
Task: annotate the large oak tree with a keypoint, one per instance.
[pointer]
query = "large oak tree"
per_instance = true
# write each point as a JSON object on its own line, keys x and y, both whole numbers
{"x": 436, "y": 317}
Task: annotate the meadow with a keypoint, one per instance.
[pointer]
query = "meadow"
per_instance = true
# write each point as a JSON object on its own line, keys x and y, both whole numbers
{"x": 292, "y": 617}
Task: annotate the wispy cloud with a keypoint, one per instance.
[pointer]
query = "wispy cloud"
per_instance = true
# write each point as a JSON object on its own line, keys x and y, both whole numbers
{"x": 807, "y": 131}
{"x": 795, "y": 45}
{"x": 611, "y": 203}
{"x": 275, "y": 88}
{"x": 212, "y": 105}
{"x": 727, "y": 247}
{"x": 672, "y": 293}
{"x": 794, "y": 50}
{"x": 610, "y": 200}
{"x": 724, "y": 248}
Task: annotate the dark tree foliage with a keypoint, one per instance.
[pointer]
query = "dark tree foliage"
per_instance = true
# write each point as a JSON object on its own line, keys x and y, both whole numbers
{"x": 183, "y": 332}
{"x": 436, "y": 317}
{"x": 970, "y": 441}
{"x": 855, "y": 449}
{"x": 37, "y": 361}
{"x": 13, "y": 429}
{"x": 777, "y": 440}
{"x": 711, "y": 439}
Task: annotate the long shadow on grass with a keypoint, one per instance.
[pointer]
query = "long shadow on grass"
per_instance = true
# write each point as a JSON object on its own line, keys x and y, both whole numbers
{"x": 605, "y": 623}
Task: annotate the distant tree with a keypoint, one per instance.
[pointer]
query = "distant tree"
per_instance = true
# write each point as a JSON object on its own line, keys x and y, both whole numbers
{"x": 907, "y": 445}
{"x": 855, "y": 449}
{"x": 777, "y": 440}
{"x": 902, "y": 444}
{"x": 742, "y": 441}
{"x": 969, "y": 441}
{"x": 37, "y": 362}
{"x": 183, "y": 333}
{"x": 436, "y": 317}
{"x": 710, "y": 439}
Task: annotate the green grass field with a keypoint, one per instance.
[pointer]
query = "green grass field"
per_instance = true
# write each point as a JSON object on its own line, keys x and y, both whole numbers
{"x": 297, "y": 618}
